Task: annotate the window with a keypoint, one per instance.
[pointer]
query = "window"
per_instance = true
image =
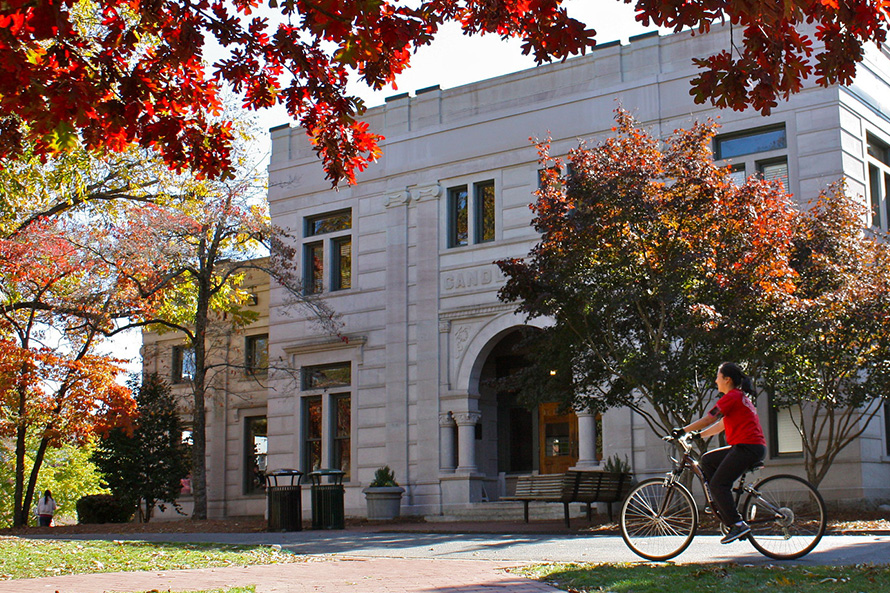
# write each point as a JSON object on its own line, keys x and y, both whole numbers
{"x": 750, "y": 142}
{"x": 312, "y": 433}
{"x": 458, "y": 218}
{"x": 342, "y": 272}
{"x": 785, "y": 439}
{"x": 738, "y": 146}
{"x": 462, "y": 215}
{"x": 256, "y": 354}
{"x": 329, "y": 239}
{"x": 255, "y": 451}
{"x": 887, "y": 426}
{"x": 327, "y": 417}
{"x": 342, "y": 432}
{"x": 183, "y": 365}
{"x": 879, "y": 182}
{"x": 484, "y": 196}
{"x": 327, "y": 376}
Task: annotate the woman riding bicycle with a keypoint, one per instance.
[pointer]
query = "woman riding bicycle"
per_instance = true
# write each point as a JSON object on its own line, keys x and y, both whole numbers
{"x": 734, "y": 413}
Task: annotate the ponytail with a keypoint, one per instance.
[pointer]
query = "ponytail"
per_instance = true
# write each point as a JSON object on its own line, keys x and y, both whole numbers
{"x": 739, "y": 379}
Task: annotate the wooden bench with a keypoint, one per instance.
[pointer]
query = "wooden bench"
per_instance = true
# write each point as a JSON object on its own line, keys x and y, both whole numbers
{"x": 573, "y": 486}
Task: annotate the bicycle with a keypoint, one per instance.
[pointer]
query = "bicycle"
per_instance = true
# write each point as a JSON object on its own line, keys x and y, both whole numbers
{"x": 659, "y": 516}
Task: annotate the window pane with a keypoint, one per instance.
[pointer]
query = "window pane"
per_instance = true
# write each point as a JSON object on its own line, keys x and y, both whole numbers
{"x": 878, "y": 150}
{"x": 329, "y": 223}
{"x": 327, "y": 376}
{"x": 257, "y": 354}
{"x": 874, "y": 188}
{"x": 884, "y": 195}
{"x": 775, "y": 171}
{"x": 750, "y": 142}
{"x": 458, "y": 233}
{"x": 887, "y": 426}
{"x": 342, "y": 433}
{"x": 484, "y": 211}
{"x": 183, "y": 364}
{"x": 343, "y": 264}
{"x": 256, "y": 445}
{"x": 313, "y": 273}
{"x": 737, "y": 175}
{"x": 312, "y": 433}
{"x": 788, "y": 439}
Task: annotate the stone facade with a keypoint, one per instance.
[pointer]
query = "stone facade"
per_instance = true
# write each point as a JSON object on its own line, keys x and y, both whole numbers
{"x": 407, "y": 383}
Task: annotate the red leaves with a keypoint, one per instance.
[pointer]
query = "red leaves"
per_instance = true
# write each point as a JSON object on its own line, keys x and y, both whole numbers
{"x": 106, "y": 85}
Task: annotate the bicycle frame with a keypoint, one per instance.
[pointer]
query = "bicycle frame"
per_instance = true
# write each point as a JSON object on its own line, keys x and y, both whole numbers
{"x": 689, "y": 461}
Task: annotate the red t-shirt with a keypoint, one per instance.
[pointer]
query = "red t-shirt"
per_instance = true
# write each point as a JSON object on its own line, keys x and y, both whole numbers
{"x": 740, "y": 419}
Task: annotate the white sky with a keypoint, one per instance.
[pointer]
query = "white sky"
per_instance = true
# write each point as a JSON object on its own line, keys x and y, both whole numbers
{"x": 454, "y": 59}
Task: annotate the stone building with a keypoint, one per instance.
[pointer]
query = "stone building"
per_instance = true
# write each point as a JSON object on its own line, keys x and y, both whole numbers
{"x": 406, "y": 257}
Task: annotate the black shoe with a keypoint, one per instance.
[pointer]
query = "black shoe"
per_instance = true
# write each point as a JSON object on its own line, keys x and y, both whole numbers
{"x": 737, "y": 531}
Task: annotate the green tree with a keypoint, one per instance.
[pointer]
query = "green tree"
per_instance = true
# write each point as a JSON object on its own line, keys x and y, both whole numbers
{"x": 654, "y": 267}
{"x": 67, "y": 472}
{"x": 145, "y": 466}
{"x": 826, "y": 349}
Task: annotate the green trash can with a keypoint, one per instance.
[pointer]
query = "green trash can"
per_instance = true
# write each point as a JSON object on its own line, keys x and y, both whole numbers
{"x": 285, "y": 500}
{"x": 326, "y": 493}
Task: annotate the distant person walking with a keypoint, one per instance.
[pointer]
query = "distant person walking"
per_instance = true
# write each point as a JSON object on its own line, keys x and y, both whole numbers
{"x": 46, "y": 508}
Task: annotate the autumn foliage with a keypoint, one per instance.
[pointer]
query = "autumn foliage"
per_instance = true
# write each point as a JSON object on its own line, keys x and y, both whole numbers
{"x": 109, "y": 73}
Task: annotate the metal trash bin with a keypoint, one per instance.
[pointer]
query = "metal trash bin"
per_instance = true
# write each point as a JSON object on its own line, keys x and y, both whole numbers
{"x": 327, "y": 499}
{"x": 285, "y": 500}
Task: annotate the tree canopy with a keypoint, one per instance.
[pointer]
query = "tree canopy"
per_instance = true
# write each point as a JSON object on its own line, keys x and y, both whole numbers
{"x": 654, "y": 266}
{"x": 109, "y": 73}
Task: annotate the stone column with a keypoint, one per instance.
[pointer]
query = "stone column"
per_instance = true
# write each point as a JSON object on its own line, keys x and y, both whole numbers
{"x": 586, "y": 440}
{"x": 466, "y": 440}
{"x": 446, "y": 443}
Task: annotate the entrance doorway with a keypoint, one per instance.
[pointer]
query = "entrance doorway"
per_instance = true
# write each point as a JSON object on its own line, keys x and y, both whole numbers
{"x": 558, "y": 438}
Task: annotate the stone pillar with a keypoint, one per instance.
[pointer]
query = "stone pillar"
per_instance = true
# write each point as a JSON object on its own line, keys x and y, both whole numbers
{"x": 466, "y": 439}
{"x": 446, "y": 443}
{"x": 586, "y": 440}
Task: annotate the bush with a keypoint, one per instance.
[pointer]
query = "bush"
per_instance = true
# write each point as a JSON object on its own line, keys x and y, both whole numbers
{"x": 383, "y": 477}
{"x": 103, "y": 508}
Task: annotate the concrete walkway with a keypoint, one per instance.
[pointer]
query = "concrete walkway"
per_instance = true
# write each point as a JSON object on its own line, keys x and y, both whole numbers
{"x": 416, "y": 559}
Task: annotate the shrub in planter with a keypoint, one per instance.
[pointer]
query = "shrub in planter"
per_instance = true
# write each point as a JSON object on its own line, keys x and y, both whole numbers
{"x": 103, "y": 508}
{"x": 383, "y": 495}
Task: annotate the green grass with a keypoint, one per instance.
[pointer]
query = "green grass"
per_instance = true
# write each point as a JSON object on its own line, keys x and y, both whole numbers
{"x": 26, "y": 558}
{"x": 722, "y": 578}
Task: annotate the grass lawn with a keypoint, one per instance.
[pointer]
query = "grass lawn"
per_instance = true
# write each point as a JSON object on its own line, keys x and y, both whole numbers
{"x": 29, "y": 558}
{"x": 717, "y": 578}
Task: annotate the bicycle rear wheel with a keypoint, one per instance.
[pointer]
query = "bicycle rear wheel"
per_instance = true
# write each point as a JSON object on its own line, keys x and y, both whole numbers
{"x": 657, "y": 521}
{"x": 786, "y": 515}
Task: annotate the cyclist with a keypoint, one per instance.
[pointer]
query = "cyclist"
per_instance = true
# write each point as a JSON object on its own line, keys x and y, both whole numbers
{"x": 734, "y": 413}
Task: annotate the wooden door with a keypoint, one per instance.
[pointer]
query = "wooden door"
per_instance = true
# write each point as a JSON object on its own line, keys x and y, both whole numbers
{"x": 558, "y": 438}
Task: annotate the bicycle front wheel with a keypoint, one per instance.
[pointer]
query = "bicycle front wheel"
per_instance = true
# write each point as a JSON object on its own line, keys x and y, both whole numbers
{"x": 786, "y": 515}
{"x": 657, "y": 521}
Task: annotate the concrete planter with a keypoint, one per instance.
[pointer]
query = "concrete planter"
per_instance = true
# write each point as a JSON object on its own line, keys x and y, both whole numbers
{"x": 384, "y": 502}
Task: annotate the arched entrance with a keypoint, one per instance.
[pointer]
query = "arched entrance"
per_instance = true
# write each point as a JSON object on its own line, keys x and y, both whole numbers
{"x": 517, "y": 439}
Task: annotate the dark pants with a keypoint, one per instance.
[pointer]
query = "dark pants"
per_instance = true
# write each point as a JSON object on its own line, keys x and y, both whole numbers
{"x": 722, "y": 467}
{"x": 44, "y": 520}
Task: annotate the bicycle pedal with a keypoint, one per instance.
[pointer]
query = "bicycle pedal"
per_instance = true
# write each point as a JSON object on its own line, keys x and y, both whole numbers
{"x": 708, "y": 510}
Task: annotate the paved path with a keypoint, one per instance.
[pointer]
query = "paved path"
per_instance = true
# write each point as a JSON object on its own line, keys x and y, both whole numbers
{"x": 369, "y": 561}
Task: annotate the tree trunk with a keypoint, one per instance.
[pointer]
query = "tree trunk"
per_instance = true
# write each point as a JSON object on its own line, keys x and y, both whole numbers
{"x": 199, "y": 436}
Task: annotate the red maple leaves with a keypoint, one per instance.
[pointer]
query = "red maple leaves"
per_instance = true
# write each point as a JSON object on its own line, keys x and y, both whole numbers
{"x": 110, "y": 73}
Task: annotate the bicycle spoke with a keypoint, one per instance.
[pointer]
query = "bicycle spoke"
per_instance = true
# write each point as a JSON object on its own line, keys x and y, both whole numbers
{"x": 786, "y": 515}
{"x": 658, "y": 522}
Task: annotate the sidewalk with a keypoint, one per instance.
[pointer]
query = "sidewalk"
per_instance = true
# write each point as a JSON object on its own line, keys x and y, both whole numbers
{"x": 316, "y": 575}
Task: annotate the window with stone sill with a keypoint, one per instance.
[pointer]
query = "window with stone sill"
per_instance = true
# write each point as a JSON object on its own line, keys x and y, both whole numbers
{"x": 256, "y": 350}
{"x": 471, "y": 216}
{"x": 327, "y": 252}
{"x": 879, "y": 182}
{"x": 745, "y": 153}
{"x": 326, "y": 410}
{"x": 182, "y": 364}
{"x": 256, "y": 442}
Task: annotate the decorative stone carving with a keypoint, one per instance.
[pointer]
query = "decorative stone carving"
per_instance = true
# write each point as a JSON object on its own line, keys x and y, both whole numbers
{"x": 467, "y": 418}
{"x": 427, "y": 192}
{"x": 397, "y": 198}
